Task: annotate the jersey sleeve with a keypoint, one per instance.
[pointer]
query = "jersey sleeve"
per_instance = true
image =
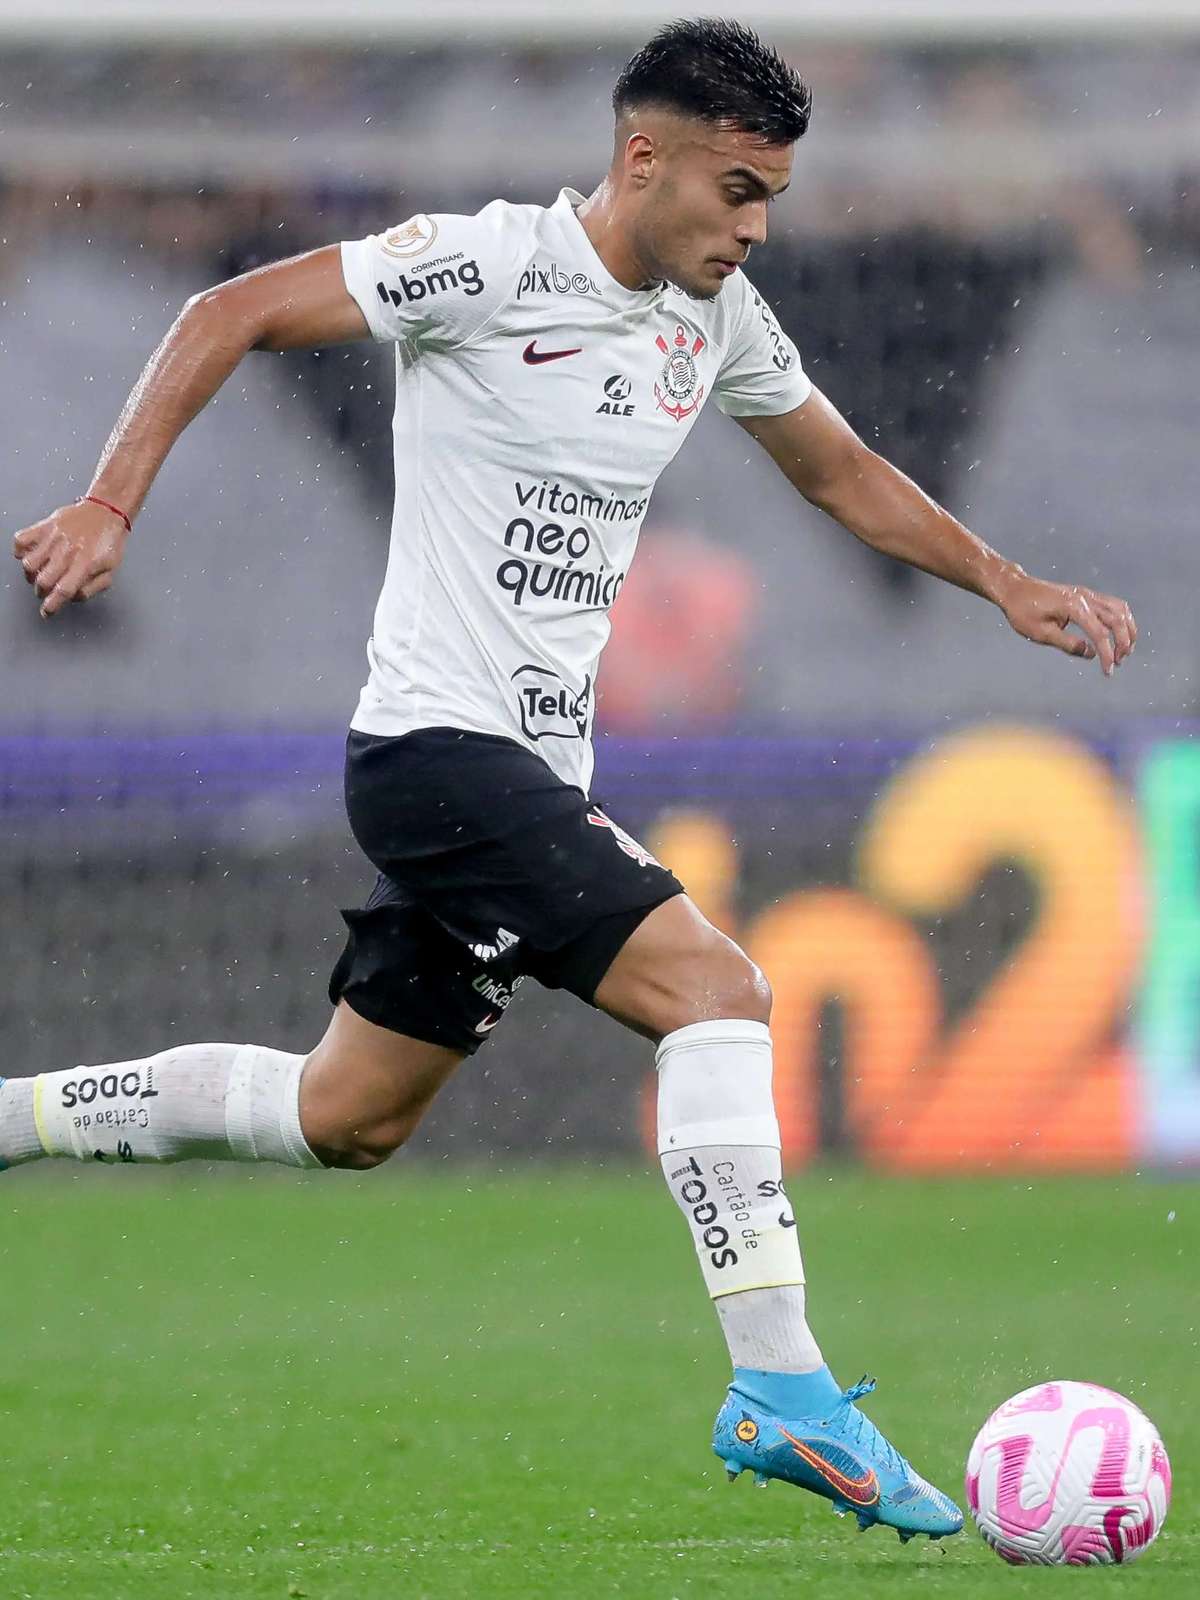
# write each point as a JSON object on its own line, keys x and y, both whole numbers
{"x": 432, "y": 282}
{"x": 761, "y": 375}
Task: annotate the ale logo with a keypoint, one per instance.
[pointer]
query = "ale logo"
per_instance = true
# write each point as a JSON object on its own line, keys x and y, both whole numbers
{"x": 617, "y": 390}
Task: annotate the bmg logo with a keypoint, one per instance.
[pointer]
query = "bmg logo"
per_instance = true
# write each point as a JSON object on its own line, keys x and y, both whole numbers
{"x": 466, "y": 276}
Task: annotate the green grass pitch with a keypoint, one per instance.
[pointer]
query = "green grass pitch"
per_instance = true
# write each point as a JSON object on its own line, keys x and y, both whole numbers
{"x": 439, "y": 1383}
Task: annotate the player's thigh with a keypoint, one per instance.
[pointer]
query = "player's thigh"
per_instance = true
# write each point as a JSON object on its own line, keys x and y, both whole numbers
{"x": 675, "y": 968}
{"x": 410, "y": 1003}
{"x": 365, "y": 1087}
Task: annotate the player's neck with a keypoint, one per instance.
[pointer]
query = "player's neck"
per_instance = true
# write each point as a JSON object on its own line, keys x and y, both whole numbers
{"x": 610, "y": 239}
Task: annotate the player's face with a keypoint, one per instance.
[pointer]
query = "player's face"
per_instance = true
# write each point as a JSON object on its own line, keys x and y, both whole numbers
{"x": 706, "y": 203}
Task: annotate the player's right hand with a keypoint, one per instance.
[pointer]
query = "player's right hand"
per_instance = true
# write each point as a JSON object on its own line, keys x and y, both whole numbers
{"x": 72, "y": 554}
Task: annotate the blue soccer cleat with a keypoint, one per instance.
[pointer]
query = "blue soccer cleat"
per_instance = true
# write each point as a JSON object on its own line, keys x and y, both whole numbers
{"x": 835, "y": 1451}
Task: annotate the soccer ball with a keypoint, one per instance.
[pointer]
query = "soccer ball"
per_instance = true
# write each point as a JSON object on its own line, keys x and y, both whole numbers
{"x": 1068, "y": 1474}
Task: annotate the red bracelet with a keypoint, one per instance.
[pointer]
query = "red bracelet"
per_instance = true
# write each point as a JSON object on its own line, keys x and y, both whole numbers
{"x": 108, "y": 506}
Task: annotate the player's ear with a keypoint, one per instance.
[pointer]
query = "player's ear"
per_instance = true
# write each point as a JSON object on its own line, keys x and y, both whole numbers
{"x": 639, "y": 154}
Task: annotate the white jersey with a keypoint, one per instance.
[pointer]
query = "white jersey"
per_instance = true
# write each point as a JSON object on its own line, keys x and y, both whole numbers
{"x": 537, "y": 401}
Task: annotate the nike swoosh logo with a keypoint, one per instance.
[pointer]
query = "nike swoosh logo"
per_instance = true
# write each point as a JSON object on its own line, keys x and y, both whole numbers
{"x": 487, "y": 1024}
{"x": 534, "y": 358}
{"x": 863, "y": 1491}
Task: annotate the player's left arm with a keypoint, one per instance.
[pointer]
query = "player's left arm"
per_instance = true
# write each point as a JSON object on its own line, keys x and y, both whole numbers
{"x": 818, "y": 451}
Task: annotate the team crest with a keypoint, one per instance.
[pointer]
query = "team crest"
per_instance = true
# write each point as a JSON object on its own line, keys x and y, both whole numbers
{"x": 635, "y": 851}
{"x": 413, "y": 239}
{"x": 678, "y": 391}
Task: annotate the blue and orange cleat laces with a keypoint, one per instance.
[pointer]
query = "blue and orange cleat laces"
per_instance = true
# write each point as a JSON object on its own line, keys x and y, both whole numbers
{"x": 835, "y": 1451}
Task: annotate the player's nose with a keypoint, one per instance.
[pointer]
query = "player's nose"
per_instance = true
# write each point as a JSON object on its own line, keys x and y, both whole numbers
{"x": 753, "y": 230}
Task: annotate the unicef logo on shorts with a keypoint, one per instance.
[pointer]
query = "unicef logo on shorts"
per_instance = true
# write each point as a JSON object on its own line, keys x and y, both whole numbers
{"x": 549, "y": 709}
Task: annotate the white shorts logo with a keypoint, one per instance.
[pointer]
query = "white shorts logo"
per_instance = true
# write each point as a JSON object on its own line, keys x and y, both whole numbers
{"x": 625, "y": 841}
{"x": 492, "y": 952}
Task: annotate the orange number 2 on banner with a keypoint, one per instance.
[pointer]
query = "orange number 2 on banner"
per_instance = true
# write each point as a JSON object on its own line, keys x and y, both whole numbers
{"x": 1029, "y": 1076}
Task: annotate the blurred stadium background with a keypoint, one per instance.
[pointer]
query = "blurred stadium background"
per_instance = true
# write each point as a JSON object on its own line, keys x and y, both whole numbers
{"x": 969, "y": 866}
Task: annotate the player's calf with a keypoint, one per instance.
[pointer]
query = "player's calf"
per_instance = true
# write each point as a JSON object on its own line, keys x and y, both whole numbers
{"x": 365, "y": 1088}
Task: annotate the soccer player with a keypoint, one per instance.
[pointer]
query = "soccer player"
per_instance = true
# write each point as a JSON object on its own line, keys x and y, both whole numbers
{"x": 550, "y": 361}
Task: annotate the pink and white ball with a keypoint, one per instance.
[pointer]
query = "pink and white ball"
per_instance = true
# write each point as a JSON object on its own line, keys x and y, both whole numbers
{"x": 1068, "y": 1474}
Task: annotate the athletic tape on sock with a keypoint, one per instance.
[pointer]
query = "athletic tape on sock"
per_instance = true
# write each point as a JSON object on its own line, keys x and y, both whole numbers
{"x": 744, "y": 1240}
{"x": 718, "y": 1138}
{"x": 714, "y": 1086}
{"x": 39, "y": 1121}
{"x": 62, "y": 1117}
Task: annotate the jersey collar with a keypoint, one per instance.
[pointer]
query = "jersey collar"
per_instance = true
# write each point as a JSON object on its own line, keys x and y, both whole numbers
{"x": 564, "y": 209}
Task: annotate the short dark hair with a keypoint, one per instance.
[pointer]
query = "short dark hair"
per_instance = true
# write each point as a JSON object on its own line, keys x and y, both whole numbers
{"x": 721, "y": 71}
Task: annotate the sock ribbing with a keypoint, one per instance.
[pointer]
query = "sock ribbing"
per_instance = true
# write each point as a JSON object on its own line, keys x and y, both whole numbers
{"x": 767, "y": 1329}
{"x": 262, "y": 1108}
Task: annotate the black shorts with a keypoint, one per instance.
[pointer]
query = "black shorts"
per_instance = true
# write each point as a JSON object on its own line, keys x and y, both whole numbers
{"x": 491, "y": 869}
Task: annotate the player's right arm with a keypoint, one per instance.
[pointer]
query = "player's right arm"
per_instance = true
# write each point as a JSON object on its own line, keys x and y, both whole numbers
{"x": 300, "y": 304}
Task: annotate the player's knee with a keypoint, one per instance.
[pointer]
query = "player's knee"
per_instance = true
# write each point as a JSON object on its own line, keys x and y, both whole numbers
{"x": 763, "y": 999}
{"x": 745, "y": 992}
{"x": 359, "y": 1149}
{"x": 355, "y": 1158}
{"x": 724, "y": 983}
{"x": 354, "y": 1135}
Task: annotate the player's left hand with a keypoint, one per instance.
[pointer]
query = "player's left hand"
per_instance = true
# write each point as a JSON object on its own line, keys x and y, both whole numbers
{"x": 1044, "y": 612}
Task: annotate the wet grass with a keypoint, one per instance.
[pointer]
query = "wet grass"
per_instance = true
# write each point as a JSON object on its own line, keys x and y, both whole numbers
{"x": 494, "y": 1384}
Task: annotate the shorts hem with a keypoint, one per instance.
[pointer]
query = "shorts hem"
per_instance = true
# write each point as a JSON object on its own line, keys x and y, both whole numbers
{"x": 581, "y": 964}
{"x": 423, "y": 1035}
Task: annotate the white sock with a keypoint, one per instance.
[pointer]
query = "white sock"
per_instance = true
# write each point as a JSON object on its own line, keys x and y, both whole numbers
{"x": 18, "y": 1131}
{"x": 205, "y": 1102}
{"x": 718, "y": 1138}
{"x": 767, "y": 1329}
